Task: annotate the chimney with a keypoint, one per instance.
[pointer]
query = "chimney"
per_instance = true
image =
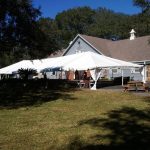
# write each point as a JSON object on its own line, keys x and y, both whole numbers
{"x": 132, "y": 34}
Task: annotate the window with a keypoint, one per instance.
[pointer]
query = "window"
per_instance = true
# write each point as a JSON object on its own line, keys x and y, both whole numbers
{"x": 136, "y": 70}
{"x": 78, "y": 47}
{"x": 115, "y": 70}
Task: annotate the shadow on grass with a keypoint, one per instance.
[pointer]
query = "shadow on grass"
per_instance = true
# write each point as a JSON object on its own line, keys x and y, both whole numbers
{"x": 147, "y": 100}
{"x": 129, "y": 129}
{"x": 32, "y": 93}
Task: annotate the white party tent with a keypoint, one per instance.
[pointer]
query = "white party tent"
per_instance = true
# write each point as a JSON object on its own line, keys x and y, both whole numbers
{"x": 58, "y": 62}
{"x": 83, "y": 61}
{"x": 96, "y": 62}
{"x": 90, "y": 60}
{"x": 24, "y": 64}
{"x": 87, "y": 60}
{"x": 79, "y": 61}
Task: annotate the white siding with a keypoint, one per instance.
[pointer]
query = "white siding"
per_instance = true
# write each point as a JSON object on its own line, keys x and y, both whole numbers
{"x": 79, "y": 46}
{"x": 126, "y": 73}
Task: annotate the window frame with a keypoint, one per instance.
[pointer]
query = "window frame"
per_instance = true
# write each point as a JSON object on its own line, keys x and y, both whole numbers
{"x": 117, "y": 70}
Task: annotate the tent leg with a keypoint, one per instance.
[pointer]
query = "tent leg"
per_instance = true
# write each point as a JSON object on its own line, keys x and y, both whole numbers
{"x": 122, "y": 76}
{"x": 94, "y": 86}
{"x": 145, "y": 77}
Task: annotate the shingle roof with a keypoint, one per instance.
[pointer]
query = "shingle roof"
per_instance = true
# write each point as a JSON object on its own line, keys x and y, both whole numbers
{"x": 128, "y": 50}
{"x": 57, "y": 53}
{"x": 99, "y": 43}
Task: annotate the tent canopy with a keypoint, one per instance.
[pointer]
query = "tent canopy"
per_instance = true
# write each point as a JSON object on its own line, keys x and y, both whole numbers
{"x": 58, "y": 62}
{"x": 79, "y": 61}
{"x": 90, "y": 60}
{"x": 25, "y": 64}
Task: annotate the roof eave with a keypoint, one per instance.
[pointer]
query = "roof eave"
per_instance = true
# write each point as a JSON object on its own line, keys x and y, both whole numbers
{"x": 91, "y": 45}
{"x": 70, "y": 45}
{"x": 83, "y": 40}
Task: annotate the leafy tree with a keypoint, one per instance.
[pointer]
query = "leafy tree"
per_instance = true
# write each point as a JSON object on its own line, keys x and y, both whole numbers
{"x": 144, "y": 16}
{"x": 143, "y": 4}
{"x": 51, "y": 32}
{"x": 23, "y": 35}
{"x": 74, "y": 21}
{"x": 17, "y": 24}
{"x": 19, "y": 31}
{"x": 108, "y": 23}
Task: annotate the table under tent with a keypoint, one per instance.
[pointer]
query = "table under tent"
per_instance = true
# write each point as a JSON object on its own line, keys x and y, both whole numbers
{"x": 81, "y": 61}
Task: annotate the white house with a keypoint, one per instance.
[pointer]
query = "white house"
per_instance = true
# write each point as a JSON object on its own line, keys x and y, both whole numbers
{"x": 136, "y": 50}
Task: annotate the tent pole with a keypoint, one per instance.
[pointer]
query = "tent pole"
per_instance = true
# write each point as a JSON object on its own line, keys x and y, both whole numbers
{"x": 145, "y": 77}
{"x": 61, "y": 72}
{"x": 122, "y": 76}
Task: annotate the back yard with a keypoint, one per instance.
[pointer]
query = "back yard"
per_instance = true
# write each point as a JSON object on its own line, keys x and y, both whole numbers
{"x": 74, "y": 120}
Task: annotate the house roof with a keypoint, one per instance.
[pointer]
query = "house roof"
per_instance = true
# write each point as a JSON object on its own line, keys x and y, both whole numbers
{"x": 100, "y": 44}
{"x": 131, "y": 50}
{"x": 128, "y": 50}
{"x": 57, "y": 53}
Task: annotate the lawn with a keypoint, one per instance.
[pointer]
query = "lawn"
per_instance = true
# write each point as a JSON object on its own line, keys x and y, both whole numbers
{"x": 75, "y": 120}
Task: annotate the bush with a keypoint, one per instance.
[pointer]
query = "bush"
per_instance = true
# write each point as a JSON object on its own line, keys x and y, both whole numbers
{"x": 25, "y": 73}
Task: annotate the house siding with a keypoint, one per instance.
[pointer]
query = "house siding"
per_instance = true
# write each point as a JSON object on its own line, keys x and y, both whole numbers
{"x": 126, "y": 73}
{"x": 78, "y": 46}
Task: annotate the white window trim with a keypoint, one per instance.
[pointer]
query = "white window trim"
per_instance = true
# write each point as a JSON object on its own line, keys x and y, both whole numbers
{"x": 117, "y": 70}
{"x": 134, "y": 70}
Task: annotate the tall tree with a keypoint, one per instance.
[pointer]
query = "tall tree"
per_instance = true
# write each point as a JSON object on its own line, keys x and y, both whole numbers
{"x": 108, "y": 24}
{"x": 74, "y": 21}
{"x": 18, "y": 27}
{"x": 52, "y": 40}
{"x": 143, "y": 4}
{"x": 144, "y": 16}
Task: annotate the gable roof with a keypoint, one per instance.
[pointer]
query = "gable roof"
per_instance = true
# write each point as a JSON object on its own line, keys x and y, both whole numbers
{"x": 131, "y": 50}
{"x": 98, "y": 43}
{"x": 93, "y": 42}
{"x": 57, "y": 53}
{"x": 128, "y": 50}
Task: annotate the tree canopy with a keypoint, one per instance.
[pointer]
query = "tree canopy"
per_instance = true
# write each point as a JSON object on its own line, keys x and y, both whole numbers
{"x": 143, "y": 4}
{"x": 24, "y": 34}
{"x": 17, "y": 24}
{"x": 19, "y": 33}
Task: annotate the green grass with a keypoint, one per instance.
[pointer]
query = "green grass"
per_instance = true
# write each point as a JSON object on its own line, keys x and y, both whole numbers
{"x": 77, "y": 120}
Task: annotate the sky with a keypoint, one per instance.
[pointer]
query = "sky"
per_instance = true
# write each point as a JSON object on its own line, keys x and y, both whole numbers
{"x": 50, "y": 8}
